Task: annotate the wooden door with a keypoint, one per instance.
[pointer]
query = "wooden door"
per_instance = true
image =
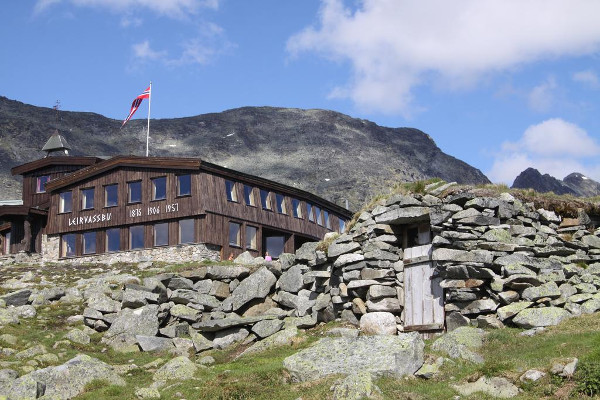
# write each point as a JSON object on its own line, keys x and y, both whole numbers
{"x": 423, "y": 295}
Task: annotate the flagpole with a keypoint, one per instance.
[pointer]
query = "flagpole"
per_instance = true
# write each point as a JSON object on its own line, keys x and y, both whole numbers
{"x": 148, "y": 132}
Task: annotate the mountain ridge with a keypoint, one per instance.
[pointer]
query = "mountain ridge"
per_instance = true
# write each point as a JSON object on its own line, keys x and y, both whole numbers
{"x": 325, "y": 152}
{"x": 575, "y": 183}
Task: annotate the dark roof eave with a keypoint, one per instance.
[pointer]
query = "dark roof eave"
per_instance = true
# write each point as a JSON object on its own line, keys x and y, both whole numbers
{"x": 44, "y": 162}
{"x": 21, "y": 211}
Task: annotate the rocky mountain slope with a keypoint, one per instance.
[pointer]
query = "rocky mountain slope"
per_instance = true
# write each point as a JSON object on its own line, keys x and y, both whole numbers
{"x": 325, "y": 152}
{"x": 575, "y": 183}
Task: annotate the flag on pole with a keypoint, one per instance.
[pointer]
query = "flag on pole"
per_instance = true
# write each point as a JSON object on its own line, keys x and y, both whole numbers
{"x": 136, "y": 103}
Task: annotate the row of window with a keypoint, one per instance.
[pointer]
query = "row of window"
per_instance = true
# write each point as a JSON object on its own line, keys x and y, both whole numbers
{"x": 136, "y": 238}
{"x": 134, "y": 193}
{"x": 314, "y": 213}
{"x": 273, "y": 243}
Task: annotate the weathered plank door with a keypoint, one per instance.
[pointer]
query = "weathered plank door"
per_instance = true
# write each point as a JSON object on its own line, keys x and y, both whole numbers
{"x": 423, "y": 295}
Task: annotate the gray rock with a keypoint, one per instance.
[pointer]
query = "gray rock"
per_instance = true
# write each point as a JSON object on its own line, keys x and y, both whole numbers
{"x": 537, "y": 317}
{"x": 69, "y": 379}
{"x": 512, "y": 309}
{"x": 489, "y": 322}
{"x": 549, "y": 290}
{"x": 394, "y": 356}
{"x": 201, "y": 342}
{"x": 338, "y": 247}
{"x": 282, "y": 338}
{"x": 349, "y": 258}
{"x": 129, "y": 323}
{"x": 455, "y": 320}
{"x": 476, "y": 256}
{"x": 18, "y": 298}
{"x": 222, "y": 272}
{"x": 590, "y": 306}
{"x": 286, "y": 260}
{"x": 256, "y": 286}
{"x": 78, "y": 336}
{"x": 215, "y": 325}
{"x": 154, "y": 343}
{"x": 343, "y": 332}
{"x": 378, "y": 323}
{"x": 532, "y": 375}
{"x": 356, "y": 386}
{"x": 186, "y": 296}
{"x": 379, "y": 291}
{"x": 244, "y": 258}
{"x": 403, "y": 215}
{"x": 138, "y": 298}
{"x": 387, "y": 304}
{"x": 184, "y": 312}
{"x": 22, "y": 388}
{"x": 47, "y": 295}
{"x": 496, "y": 387}
{"x": 480, "y": 306}
{"x": 291, "y": 280}
{"x": 228, "y": 337}
{"x": 267, "y": 327}
{"x": 460, "y": 343}
{"x": 203, "y": 286}
{"x": 178, "y": 369}
{"x": 104, "y": 304}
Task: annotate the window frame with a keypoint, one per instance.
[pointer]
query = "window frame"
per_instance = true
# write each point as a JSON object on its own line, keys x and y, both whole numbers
{"x": 193, "y": 223}
{"x": 40, "y": 183}
{"x": 178, "y": 184}
{"x": 163, "y": 225}
{"x": 253, "y": 245}
{"x": 280, "y": 204}
{"x": 84, "y": 198}
{"x": 154, "y": 188}
{"x": 61, "y": 202}
{"x": 318, "y": 215}
{"x": 265, "y": 202}
{"x": 143, "y": 237}
{"x": 106, "y": 197}
{"x": 107, "y": 241}
{"x": 238, "y": 235}
{"x": 129, "y": 186}
{"x": 297, "y": 208}
{"x": 230, "y": 191}
{"x": 64, "y": 243}
{"x": 326, "y": 219}
{"x": 310, "y": 212}
{"x": 93, "y": 236}
{"x": 249, "y": 196}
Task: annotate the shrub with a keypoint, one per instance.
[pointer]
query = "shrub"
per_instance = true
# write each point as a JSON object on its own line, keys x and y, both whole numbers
{"x": 588, "y": 377}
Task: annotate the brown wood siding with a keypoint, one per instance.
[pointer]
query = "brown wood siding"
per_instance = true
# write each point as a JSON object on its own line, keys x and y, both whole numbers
{"x": 147, "y": 211}
{"x": 30, "y": 196}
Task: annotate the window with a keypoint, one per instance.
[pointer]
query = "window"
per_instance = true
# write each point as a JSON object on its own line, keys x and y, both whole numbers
{"x": 159, "y": 188}
{"x": 249, "y": 196}
{"x": 318, "y": 216}
{"x": 265, "y": 199}
{"x": 65, "y": 202}
{"x": 342, "y": 225}
{"x": 89, "y": 242}
{"x": 274, "y": 245}
{"x": 67, "y": 247}
{"x": 136, "y": 237}
{"x": 234, "y": 234}
{"x": 184, "y": 185}
{"x": 161, "y": 234}
{"x": 111, "y": 195}
{"x": 326, "y": 218}
{"x": 134, "y": 192}
{"x": 296, "y": 208}
{"x": 280, "y": 200}
{"x": 40, "y": 186}
{"x": 230, "y": 189}
{"x": 87, "y": 199}
{"x": 7, "y": 243}
{"x": 113, "y": 240}
{"x": 251, "y": 237}
{"x": 186, "y": 231}
{"x": 309, "y": 211}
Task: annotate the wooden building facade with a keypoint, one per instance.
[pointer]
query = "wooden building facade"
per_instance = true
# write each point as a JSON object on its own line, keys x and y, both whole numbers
{"x": 125, "y": 203}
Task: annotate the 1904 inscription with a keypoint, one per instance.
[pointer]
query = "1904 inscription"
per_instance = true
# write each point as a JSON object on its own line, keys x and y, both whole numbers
{"x": 154, "y": 210}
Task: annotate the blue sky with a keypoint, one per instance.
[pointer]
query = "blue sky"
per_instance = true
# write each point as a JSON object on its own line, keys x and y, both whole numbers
{"x": 501, "y": 84}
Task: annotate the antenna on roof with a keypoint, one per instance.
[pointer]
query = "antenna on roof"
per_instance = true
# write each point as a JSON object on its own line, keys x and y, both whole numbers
{"x": 57, "y": 145}
{"x": 56, "y": 108}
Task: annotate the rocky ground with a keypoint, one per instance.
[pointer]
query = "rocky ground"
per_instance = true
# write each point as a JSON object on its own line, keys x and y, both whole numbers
{"x": 47, "y": 351}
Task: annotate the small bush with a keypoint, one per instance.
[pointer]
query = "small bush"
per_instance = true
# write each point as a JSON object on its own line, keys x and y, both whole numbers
{"x": 588, "y": 377}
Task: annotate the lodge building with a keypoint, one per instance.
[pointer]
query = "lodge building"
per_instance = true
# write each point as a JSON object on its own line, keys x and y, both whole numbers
{"x": 94, "y": 207}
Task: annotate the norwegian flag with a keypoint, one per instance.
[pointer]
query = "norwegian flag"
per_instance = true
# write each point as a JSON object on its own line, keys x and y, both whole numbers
{"x": 136, "y": 103}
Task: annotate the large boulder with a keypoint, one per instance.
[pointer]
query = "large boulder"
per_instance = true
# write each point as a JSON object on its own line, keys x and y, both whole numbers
{"x": 68, "y": 380}
{"x": 256, "y": 286}
{"x": 495, "y": 387}
{"x": 394, "y": 356}
{"x": 461, "y": 343}
{"x": 121, "y": 335}
{"x": 378, "y": 323}
{"x": 178, "y": 369}
{"x": 536, "y": 317}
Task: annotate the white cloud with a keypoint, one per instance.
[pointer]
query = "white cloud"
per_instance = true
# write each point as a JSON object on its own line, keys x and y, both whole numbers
{"x": 393, "y": 44}
{"x": 541, "y": 97}
{"x": 588, "y": 78}
{"x": 554, "y": 147}
{"x": 170, "y": 8}
{"x": 143, "y": 51}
